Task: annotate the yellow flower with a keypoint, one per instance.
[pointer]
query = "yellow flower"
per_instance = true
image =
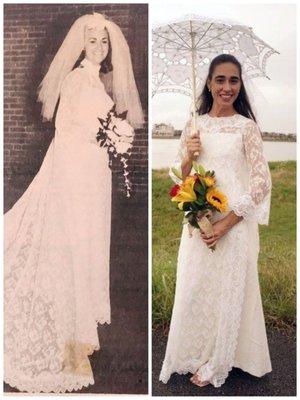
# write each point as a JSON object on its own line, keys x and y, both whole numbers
{"x": 209, "y": 180}
{"x": 217, "y": 199}
{"x": 180, "y": 205}
{"x": 186, "y": 192}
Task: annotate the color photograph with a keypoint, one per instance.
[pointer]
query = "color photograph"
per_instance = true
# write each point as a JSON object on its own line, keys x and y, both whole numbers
{"x": 224, "y": 200}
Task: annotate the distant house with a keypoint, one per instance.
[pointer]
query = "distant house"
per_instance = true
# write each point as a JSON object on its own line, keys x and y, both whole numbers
{"x": 163, "y": 130}
{"x": 279, "y": 137}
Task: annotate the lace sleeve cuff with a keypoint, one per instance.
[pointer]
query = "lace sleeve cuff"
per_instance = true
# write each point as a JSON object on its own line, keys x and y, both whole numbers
{"x": 245, "y": 207}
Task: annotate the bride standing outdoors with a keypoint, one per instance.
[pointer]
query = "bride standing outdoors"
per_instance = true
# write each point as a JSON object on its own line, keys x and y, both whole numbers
{"x": 217, "y": 320}
{"x": 57, "y": 236}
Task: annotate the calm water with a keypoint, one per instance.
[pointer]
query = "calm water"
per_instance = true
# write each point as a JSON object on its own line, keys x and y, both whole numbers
{"x": 164, "y": 151}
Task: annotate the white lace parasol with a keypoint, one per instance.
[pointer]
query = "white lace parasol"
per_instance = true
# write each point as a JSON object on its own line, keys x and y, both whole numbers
{"x": 183, "y": 50}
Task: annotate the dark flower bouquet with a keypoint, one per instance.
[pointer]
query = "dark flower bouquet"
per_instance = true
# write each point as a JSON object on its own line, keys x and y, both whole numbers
{"x": 117, "y": 135}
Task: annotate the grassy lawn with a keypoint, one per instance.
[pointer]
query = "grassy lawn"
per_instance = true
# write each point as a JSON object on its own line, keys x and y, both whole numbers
{"x": 277, "y": 255}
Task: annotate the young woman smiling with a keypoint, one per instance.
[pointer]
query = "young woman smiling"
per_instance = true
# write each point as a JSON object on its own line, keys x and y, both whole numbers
{"x": 217, "y": 321}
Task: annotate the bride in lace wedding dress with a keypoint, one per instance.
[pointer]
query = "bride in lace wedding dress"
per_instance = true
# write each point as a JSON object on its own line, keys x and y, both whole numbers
{"x": 57, "y": 236}
{"x": 217, "y": 320}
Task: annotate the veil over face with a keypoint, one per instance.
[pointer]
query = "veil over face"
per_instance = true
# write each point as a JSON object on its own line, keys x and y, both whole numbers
{"x": 124, "y": 90}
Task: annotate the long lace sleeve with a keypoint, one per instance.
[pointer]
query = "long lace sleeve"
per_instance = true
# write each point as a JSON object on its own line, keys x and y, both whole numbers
{"x": 254, "y": 204}
{"x": 181, "y": 153}
{"x": 71, "y": 119}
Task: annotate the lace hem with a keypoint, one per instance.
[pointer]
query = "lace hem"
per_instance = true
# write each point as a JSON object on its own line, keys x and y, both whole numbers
{"x": 61, "y": 382}
{"x": 48, "y": 383}
{"x": 104, "y": 320}
{"x": 165, "y": 373}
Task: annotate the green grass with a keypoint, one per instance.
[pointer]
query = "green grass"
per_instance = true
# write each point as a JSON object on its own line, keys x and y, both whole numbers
{"x": 277, "y": 251}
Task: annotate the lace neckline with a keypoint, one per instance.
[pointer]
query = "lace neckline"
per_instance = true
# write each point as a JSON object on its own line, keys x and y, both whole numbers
{"x": 93, "y": 69}
{"x": 227, "y": 117}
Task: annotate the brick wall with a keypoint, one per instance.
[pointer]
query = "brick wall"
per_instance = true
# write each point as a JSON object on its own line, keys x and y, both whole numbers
{"x": 32, "y": 35}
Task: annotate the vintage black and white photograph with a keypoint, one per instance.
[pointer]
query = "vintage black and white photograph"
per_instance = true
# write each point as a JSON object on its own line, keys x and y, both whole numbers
{"x": 224, "y": 199}
{"x": 75, "y": 198}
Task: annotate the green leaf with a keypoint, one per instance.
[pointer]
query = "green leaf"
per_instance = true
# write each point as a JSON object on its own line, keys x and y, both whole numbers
{"x": 177, "y": 173}
{"x": 201, "y": 170}
{"x": 200, "y": 202}
{"x": 186, "y": 206}
{"x": 198, "y": 168}
{"x": 193, "y": 221}
{"x": 203, "y": 185}
{"x": 195, "y": 166}
{"x": 194, "y": 206}
{"x": 198, "y": 188}
{"x": 201, "y": 191}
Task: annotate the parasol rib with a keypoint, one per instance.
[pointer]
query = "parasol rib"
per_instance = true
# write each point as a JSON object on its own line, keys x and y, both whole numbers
{"x": 204, "y": 33}
{"x": 180, "y": 37}
{"x": 172, "y": 41}
{"x": 215, "y": 37}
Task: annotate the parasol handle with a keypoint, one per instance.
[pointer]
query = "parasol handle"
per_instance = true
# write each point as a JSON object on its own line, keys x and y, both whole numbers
{"x": 193, "y": 47}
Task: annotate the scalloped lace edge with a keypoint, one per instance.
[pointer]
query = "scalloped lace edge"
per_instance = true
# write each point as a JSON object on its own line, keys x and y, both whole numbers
{"x": 67, "y": 382}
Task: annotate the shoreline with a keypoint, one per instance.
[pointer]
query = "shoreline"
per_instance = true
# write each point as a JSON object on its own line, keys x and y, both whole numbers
{"x": 264, "y": 139}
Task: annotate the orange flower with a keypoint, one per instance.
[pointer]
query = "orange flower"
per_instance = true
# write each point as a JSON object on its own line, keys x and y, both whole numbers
{"x": 209, "y": 180}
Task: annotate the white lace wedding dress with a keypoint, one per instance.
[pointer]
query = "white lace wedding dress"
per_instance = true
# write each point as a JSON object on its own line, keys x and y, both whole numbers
{"x": 57, "y": 245}
{"x": 217, "y": 321}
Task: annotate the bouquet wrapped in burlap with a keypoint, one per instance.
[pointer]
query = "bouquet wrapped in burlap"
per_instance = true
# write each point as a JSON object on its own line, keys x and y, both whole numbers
{"x": 199, "y": 198}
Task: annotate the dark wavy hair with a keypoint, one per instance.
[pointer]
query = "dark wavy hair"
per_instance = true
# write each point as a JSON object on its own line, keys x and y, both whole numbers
{"x": 106, "y": 64}
{"x": 241, "y": 104}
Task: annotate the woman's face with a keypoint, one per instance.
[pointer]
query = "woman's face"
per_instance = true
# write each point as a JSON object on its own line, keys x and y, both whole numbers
{"x": 96, "y": 46}
{"x": 225, "y": 84}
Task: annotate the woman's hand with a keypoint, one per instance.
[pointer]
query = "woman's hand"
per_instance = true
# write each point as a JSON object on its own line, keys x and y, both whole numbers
{"x": 220, "y": 228}
{"x": 193, "y": 145}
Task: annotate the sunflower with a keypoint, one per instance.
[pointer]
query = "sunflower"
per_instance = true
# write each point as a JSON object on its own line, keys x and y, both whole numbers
{"x": 217, "y": 199}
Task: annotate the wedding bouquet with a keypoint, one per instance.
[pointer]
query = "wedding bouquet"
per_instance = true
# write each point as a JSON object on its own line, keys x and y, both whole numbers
{"x": 198, "y": 197}
{"x": 117, "y": 136}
